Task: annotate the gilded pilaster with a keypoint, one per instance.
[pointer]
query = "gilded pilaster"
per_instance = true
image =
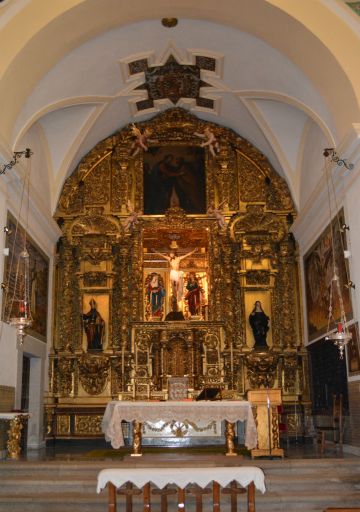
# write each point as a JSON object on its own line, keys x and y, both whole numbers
{"x": 67, "y": 311}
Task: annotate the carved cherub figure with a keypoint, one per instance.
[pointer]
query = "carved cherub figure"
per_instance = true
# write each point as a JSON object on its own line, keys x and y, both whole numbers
{"x": 210, "y": 141}
{"x": 132, "y": 219}
{"x": 217, "y": 213}
{"x": 141, "y": 140}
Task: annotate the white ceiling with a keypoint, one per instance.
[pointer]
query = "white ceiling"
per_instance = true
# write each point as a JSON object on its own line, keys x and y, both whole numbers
{"x": 264, "y": 94}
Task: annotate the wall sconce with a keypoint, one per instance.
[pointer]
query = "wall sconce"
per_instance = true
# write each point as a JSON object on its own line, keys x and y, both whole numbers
{"x": 336, "y": 159}
{"x": 16, "y": 157}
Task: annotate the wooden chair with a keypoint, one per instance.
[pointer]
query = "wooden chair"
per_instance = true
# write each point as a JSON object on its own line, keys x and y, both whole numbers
{"x": 336, "y": 427}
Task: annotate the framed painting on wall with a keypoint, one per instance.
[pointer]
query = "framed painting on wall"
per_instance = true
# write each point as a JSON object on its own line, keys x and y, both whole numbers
{"x": 352, "y": 351}
{"x": 319, "y": 273}
{"x": 174, "y": 176}
{"x": 39, "y": 278}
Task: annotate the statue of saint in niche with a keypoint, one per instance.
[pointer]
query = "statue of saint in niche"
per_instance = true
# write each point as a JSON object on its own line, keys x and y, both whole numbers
{"x": 259, "y": 323}
{"x": 94, "y": 327}
{"x": 193, "y": 294}
{"x": 155, "y": 294}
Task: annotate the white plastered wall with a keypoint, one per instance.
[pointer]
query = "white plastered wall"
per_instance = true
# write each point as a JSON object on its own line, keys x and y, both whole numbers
{"x": 44, "y": 235}
{"x": 315, "y": 216}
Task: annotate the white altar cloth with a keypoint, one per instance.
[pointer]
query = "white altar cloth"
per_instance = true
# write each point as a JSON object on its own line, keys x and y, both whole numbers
{"x": 232, "y": 411}
{"x": 182, "y": 476}
{"x": 12, "y": 415}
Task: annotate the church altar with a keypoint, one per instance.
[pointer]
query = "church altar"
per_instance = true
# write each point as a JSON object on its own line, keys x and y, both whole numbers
{"x": 157, "y": 279}
{"x": 139, "y": 412}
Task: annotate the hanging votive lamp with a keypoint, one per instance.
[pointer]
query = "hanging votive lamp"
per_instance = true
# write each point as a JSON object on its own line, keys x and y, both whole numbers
{"x": 21, "y": 317}
{"x": 340, "y": 338}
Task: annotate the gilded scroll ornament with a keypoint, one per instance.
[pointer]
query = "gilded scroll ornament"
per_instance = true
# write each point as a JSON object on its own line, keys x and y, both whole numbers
{"x": 258, "y": 278}
{"x": 94, "y": 279}
{"x": 93, "y": 373}
{"x": 257, "y": 222}
{"x": 87, "y": 425}
{"x": 261, "y": 368}
{"x": 95, "y": 249}
{"x": 95, "y": 223}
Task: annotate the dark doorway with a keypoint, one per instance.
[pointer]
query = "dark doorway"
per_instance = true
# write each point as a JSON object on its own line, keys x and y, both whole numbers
{"x": 328, "y": 376}
{"x": 25, "y": 386}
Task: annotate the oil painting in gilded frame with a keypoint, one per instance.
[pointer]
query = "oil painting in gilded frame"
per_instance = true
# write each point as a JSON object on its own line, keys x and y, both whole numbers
{"x": 319, "y": 273}
{"x": 39, "y": 278}
{"x": 174, "y": 176}
{"x": 353, "y": 350}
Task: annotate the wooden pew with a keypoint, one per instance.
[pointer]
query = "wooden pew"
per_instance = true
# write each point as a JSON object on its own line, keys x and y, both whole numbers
{"x": 183, "y": 482}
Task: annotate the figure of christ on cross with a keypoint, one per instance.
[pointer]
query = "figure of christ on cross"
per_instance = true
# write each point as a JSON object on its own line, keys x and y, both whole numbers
{"x": 176, "y": 275}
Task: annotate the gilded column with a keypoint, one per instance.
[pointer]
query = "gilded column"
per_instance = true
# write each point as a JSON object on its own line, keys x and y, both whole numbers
{"x": 118, "y": 290}
{"x": 216, "y": 288}
{"x": 67, "y": 320}
{"x": 285, "y": 290}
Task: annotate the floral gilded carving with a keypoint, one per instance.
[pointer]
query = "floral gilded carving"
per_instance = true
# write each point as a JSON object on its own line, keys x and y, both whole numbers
{"x": 262, "y": 368}
{"x": 93, "y": 373}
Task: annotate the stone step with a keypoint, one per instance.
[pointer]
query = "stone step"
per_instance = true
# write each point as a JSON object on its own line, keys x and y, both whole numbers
{"x": 292, "y": 485}
{"x": 79, "y": 502}
{"x": 279, "y": 482}
{"x": 274, "y": 483}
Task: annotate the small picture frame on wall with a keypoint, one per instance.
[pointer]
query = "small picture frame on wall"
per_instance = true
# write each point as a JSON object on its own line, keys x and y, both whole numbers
{"x": 353, "y": 351}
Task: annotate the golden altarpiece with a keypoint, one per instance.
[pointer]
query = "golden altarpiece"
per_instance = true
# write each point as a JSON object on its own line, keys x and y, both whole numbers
{"x": 123, "y": 325}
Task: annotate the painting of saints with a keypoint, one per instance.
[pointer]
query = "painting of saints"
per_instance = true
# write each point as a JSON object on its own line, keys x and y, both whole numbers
{"x": 353, "y": 353}
{"x": 320, "y": 283}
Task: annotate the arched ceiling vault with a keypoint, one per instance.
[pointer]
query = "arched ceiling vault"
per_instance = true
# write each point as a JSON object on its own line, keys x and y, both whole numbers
{"x": 283, "y": 74}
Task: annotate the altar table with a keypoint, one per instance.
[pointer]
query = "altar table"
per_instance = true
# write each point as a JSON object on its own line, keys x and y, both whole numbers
{"x": 139, "y": 412}
{"x": 247, "y": 477}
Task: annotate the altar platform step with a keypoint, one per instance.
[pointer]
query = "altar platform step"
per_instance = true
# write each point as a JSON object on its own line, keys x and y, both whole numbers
{"x": 309, "y": 485}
